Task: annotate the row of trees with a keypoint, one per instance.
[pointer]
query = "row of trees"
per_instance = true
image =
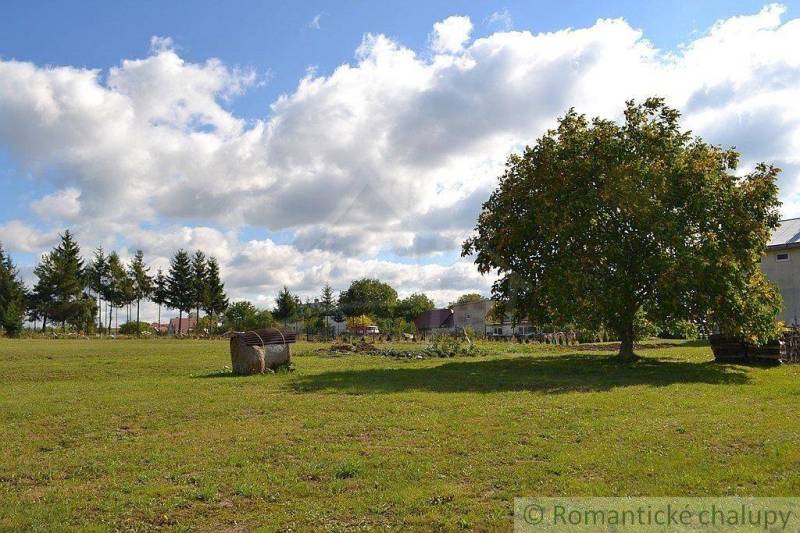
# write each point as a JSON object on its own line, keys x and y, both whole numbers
{"x": 84, "y": 296}
{"x": 370, "y": 298}
{"x": 88, "y": 295}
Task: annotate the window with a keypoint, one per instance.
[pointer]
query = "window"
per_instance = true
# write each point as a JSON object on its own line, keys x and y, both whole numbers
{"x": 782, "y": 257}
{"x": 467, "y": 316}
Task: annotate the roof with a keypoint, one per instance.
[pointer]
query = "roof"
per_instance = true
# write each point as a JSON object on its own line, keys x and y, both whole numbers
{"x": 787, "y": 235}
{"x": 434, "y": 319}
{"x": 186, "y": 323}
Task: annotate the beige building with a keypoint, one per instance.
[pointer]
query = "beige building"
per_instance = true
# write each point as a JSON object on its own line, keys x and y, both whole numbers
{"x": 472, "y": 315}
{"x": 477, "y": 315}
{"x": 781, "y": 265}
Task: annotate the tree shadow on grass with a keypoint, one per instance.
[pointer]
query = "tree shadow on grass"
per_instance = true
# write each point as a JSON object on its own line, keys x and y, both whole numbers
{"x": 550, "y": 374}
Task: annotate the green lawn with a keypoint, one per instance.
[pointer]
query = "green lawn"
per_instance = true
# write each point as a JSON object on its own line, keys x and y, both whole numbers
{"x": 152, "y": 434}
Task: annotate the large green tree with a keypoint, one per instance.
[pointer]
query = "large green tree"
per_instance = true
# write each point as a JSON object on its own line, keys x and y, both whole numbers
{"x": 180, "y": 286}
{"x": 12, "y": 296}
{"x": 600, "y": 221}
{"x": 58, "y": 293}
{"x": 244, "y": 316}
{"x": 139, "y": 274}
{"x": 414, "y": 305}
{"x": 368, "y": 297}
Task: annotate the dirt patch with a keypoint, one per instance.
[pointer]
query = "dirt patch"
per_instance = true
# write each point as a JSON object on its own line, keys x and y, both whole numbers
{"x": 359, "y": 347}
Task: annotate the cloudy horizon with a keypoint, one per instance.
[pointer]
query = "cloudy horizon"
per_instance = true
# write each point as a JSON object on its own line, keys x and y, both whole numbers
{"x": 375, "y": 166}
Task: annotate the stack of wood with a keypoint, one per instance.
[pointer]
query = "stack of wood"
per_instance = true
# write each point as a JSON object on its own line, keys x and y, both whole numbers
{"x": 732, "y": 349}
{"x": 259, "y": 351}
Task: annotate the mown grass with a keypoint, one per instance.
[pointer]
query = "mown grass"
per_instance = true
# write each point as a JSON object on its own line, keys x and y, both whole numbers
{"x": 155, "y": 434}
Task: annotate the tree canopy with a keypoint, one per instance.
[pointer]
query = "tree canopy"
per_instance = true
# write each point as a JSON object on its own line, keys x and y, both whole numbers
{"x": 12, "y": 296}
{"x": 214, "y": 300}
{"x": 286, "y": 305}
{"x": 368, "y": 297}
{"x": 180, "y": 285}
{"x": 414, "y": 305}
{"x": 467, "y": 298}
{"x": 600, "y": 221}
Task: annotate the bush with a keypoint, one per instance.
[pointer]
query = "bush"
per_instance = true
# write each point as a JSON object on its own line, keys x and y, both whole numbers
{"x": 643, "y": 327}
{"x": 679, "y": 329}
{"x": 450, "y": 346}
{"x": 135, "y": 328}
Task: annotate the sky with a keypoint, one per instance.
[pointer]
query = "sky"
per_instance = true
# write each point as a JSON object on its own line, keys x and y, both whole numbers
{"x": 314, "y": 142}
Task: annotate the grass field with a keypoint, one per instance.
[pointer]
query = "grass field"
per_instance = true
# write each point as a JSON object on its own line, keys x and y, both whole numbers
{"x": 153, "y": 434}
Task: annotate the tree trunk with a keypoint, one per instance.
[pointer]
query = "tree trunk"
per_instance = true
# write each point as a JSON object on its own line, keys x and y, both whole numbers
{"x": 626, "y": 344}
{"x": 159, "y": 320}
{"x": 137, "y": 316}
{"x": 180, "y": 322}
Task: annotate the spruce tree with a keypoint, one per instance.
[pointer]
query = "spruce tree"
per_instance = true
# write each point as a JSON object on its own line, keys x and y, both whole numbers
{"x": 142, "y": 281}
{"x": 68, "y": 277}
{"x": 214, "y": 300}
{"x": 117, "y": 286}
{"x": 327, "y": 304}
{"x": 98, "y": 273}
{"x": 43, "y": 297}
{"x": 199, "y": 268}
{"x": 180, "y": 288}
{"x": 159, "y": 296}
{"x": 286, "y": 305}
{"x": 12, "y": 296}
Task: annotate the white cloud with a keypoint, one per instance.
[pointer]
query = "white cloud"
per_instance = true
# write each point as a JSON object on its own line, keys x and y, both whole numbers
{"x": 314, "y": 23}
{"x": 61, "y": 205}
{"x": 501, "y": 19}
{"x": 393, "y": 152}
{"x": 450, "y": 34}
{"x": 17, "y": 236}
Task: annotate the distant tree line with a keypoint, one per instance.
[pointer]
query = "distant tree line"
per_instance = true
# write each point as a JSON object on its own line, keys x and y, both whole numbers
{"x": 88, "y": 297}
{"x": 370, "y": 300}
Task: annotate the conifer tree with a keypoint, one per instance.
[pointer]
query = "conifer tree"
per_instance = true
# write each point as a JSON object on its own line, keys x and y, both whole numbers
{"x": 12, "y": 296}
{"x": 139, "y": 274}
{"x": 159, "y": 296}
{"x": 98, "y": 273}
{"x": 199, "y": 272}
{"x": 180, "y": 288}
{"x": 214, "y": 300}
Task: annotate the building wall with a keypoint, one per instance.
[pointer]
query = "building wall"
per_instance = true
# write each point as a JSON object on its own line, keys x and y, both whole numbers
{"x": 472, "y": 315}
{"x": 786, "y": 275}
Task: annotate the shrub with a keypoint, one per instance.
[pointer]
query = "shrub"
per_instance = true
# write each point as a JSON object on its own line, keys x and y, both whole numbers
{"x": 679, "y": 329}
{"x": 135, "y": 328}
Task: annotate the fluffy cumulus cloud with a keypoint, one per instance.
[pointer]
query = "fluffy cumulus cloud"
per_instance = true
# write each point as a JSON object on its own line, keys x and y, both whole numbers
{"x": 450, "y": 34}
{"x": 389, "y": 156}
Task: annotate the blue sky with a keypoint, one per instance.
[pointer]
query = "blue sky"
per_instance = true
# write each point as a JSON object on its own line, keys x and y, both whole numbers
{"x": 276, "y": 39}
{"x": 197, "y": 130}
